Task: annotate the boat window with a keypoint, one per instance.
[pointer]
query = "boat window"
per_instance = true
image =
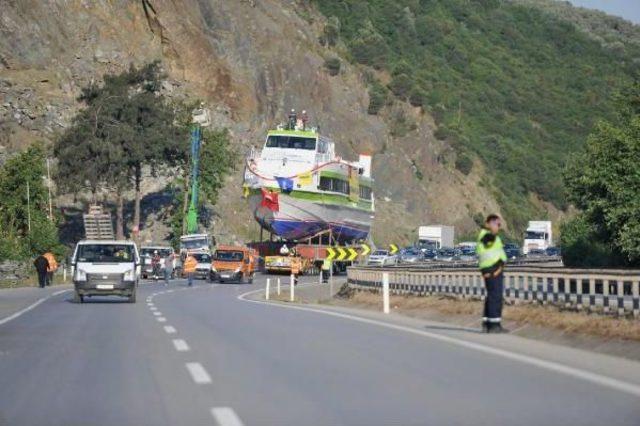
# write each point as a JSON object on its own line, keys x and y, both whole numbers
{"x": 365, "y": 193}
{"x": 291, "y": 142}
{"x": 334, "y": 185}
{"x": 322, "y": 147}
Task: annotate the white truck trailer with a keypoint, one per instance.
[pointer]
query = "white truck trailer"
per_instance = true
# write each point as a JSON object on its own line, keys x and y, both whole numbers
{"x": 436, "y": 236}
{"x": 539, "y": 236}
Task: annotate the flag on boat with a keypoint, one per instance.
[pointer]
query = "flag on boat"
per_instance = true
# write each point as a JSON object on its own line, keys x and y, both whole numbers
{"x": 270, "y": 200}
{"x": 285, "y": 184}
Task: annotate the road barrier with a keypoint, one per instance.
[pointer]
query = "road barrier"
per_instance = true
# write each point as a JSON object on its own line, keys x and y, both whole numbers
{"x": 595, "y": 290}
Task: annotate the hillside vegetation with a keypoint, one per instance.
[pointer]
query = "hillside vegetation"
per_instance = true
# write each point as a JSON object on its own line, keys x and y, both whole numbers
{"x": 516, "y": 85}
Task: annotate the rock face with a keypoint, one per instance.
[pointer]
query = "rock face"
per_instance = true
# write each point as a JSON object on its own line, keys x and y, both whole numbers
{"x": 13, "y": 272}
{"x": 251, "y": 61}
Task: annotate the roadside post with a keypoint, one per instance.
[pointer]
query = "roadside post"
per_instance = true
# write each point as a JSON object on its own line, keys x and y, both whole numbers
{"x": 278, "y": 286}
{"x": 331, "y": 281}
{"x": 385, "y": 292}
{"x": 266, "y": 290}
{"x": 64, "y": 273}
{"x": 292, "y": 284}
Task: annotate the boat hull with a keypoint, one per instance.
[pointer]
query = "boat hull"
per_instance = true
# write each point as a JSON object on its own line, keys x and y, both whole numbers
{"x": 298, "y": 219}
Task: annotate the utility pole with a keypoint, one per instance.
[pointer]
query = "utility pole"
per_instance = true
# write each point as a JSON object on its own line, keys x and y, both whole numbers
{"x": 49, "y": 189}
{"x": 28, "y": 208}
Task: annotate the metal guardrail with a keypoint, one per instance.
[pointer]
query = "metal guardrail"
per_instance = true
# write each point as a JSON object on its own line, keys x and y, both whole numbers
{"x": 596, "y": 290}
{"x": 551, "y": 261}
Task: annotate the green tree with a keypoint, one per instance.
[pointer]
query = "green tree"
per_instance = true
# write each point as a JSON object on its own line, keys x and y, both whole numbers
{"x": 25, "y": 228}
{"x": 127, "y": 125}
{"x": 603, "y": 180}
{"x": 378, "y": 96}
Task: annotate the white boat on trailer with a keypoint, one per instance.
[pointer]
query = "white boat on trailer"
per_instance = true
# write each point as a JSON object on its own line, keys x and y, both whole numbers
{"x": 298, "y": 187}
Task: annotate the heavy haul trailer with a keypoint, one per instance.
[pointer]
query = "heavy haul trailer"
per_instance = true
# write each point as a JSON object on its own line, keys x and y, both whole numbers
{"x": 311, "y": 257}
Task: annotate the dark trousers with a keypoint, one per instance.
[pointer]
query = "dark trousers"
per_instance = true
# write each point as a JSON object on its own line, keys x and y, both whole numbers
{"x": 325, "y": 275}
{"x": 49, "y": 278}
{"x": 42, "y": 278}
{"x": 493, "y": 299}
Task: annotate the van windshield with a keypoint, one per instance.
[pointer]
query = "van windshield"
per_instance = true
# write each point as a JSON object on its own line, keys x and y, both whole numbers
{"x": 105, "y": 253}
{"x": 228, "y": 256}
{"x": 534, "y": 235}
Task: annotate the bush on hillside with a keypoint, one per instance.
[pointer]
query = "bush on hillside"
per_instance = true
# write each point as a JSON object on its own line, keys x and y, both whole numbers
{"x": 332, "y": 65}
{"x": 378, "y": 95}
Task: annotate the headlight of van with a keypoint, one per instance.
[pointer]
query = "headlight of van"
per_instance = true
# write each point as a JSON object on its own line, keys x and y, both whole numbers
{"x": 238, "y": 269}
{"x": 81, "y": 275}
{"x": 213, "y": 269}
{"x": 130, "y": 275}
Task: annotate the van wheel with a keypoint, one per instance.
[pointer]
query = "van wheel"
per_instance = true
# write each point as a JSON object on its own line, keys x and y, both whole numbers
{"x": 78, "y": 298}
{"x": 132, "y": 297}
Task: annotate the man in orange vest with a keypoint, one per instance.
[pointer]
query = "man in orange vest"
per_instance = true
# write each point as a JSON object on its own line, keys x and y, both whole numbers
{"x": 189, "y": 268}
{"x": 52, "y": 268}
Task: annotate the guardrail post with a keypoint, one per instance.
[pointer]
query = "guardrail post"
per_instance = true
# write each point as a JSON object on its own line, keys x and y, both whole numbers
{"x": 605, "y": 295}
{"x": 620, "y": 291}
{"x": 266, "y": 289}
{"x": 635, "y": 294}
{"x": 278, "y": 287}
{"x": 64, "y": 274}
{"x": 385, "y": 292}
{"x": 292, "y": 285}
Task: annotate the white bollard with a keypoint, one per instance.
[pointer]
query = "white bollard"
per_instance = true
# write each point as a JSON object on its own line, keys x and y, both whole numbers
{"x": 385, "y": 292}
{"x": 266, "y": 290}
{"x": 64, "y": 274}
{"x": 292, "y": 286}
{"x": 278, "y": 286}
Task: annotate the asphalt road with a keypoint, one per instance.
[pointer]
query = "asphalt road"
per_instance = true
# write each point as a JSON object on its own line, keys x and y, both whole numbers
{"x": 204, "y": 356}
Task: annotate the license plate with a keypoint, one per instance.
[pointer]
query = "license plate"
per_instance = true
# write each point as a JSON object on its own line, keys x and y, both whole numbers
{"x": 225, "y": 276}
{"x": 104, "y": 286}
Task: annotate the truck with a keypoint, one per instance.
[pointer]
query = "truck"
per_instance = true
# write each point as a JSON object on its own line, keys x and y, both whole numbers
{"x": 435, "y": 236}
{"x": 538, "y": 236}
{"x": 196, "y": 243}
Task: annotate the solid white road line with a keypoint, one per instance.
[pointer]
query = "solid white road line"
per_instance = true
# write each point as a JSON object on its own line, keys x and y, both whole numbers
{"x": 59, "y": 292}
{"x": 596, "y": 378}
{"x": 20, "y": 312}
{"x": 180, "y": 345}
{"x": 170, "y": 329}
{"x": 225, "y": 416}
{"x": 161, "y": 319}
{"x": 198, "y": 373}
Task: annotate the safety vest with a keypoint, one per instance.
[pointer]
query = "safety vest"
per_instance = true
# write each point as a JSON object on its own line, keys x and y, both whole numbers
{"x": 491, "y": 254}
{"x": 190, "y": 264}
{"x": 326, "y": 264}
{"x": 53, "y": 265}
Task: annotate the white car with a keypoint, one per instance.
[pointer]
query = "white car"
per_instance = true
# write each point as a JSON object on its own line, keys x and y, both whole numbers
{"x": 382, "y": 258}
{"x": 105, "y": 268}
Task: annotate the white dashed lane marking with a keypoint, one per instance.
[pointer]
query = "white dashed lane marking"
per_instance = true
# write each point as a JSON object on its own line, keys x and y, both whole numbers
{"x": 198, "y": 373}
{"x": 170, "y": 329}
{"x": 161, "y": 319}
{"x": 225, "y": 416}
{"x": 180, "y": 345}
{"x": 157, "y": 314}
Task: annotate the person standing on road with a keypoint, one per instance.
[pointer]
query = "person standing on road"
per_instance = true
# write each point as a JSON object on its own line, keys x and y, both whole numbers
{"x": 189, "y": 268}
{"x": 168, "y": 267}
{"x": 491, "y": 260}
{"x": 52, "y": 268}
{"x": 42, "y": 265}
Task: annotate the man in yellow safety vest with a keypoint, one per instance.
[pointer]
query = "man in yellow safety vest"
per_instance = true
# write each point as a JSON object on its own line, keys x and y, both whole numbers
{"x": 491, "y": 260}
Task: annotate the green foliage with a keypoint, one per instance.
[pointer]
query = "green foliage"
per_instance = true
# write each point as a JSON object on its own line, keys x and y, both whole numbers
{"x": 331, "y": 33}
{"x": 604, "y": 182}
{"x": 464, "y": 163}
{"x": 16, "y": 212}
{"x": 332, "y": 65}
{"x": 521, "y": 87}
{"x": 584, "y": 245}
{"x": 378, "y": 96}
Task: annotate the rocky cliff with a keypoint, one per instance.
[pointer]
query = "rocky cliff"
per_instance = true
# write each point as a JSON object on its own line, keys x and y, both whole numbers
{"x": 250, "y": 60}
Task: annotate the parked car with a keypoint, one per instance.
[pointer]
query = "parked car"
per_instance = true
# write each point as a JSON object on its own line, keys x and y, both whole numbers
{"x": 554, "y": 251}
{"x": 468, "y": 255}
{"x": 430, "y": 254}
{"x": 536, "y": 253}
{"x": 146, "y": 254}
{"x": 382, "y": 258}
{"x": 411, "y": 255}
{"x": 512, "y": 251}
{"x": 447, "y": 255}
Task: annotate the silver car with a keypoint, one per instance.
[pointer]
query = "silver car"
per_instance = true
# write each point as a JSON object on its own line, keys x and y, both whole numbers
{"x": 382, "y": 258}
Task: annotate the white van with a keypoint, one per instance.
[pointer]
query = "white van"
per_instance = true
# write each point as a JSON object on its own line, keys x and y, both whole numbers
{"x": 105, "y": 268}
